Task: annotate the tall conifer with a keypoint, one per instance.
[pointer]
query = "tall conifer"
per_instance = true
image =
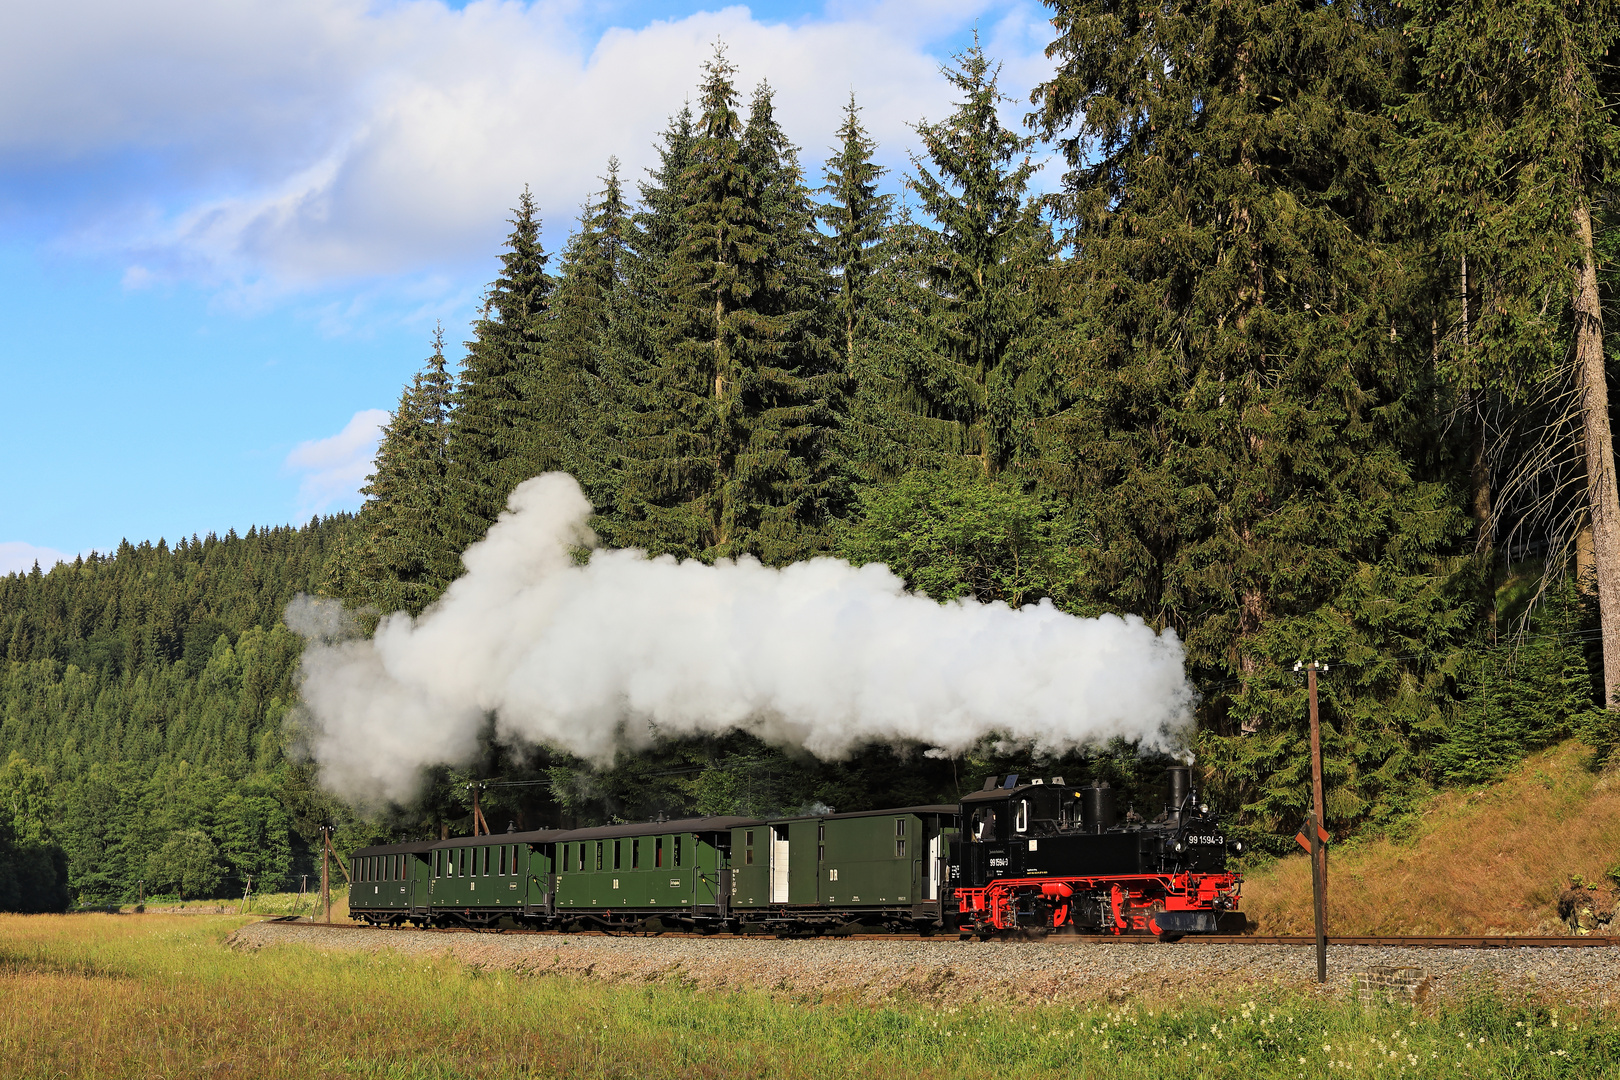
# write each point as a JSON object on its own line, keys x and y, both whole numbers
{"x": 578, "y": 403}
{"x": 496, "y": 440}
{"x": 980, "y": 385}
{"x": 405, "y": 559}
{"x": 727, "y": 451}
{"x": 856, "y": 213}
{"x": 1513, "y": 147}
{"x": 1251, "y": 400}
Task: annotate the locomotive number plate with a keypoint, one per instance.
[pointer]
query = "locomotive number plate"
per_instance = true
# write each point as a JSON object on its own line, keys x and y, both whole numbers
{"x": 1206, "y": 838}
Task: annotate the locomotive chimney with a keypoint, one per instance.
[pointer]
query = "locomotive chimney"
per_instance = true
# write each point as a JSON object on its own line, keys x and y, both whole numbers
{"x": 1178, "y": 788}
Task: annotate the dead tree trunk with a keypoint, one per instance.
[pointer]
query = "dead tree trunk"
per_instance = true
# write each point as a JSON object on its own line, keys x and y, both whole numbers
{"x": 1603, "y": 500}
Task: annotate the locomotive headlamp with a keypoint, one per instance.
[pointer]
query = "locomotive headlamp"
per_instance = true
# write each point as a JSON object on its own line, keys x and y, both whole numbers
{"x": 1203, "y": 808}
{"x": 1180, "y": 847}
{"x": 1237, "y": 847}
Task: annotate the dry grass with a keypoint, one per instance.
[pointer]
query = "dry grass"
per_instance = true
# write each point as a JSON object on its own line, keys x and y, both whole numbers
{"x": 163, "y": 996}
{"x": 1487, "y": 861}
{"x": 289, "y": 903}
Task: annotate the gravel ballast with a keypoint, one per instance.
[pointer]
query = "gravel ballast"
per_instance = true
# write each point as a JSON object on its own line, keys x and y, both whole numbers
{"x": 950, "y": 970}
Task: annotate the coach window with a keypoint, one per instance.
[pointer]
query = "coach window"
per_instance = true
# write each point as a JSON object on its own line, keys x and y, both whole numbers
{"x": 635, "y": 853}
{"x": 514, "y": 863}
{"x": 658, "y": 853}
{"x": 599, "y": 846}
{"x": 503, "y": 860}
{"x": 900, "y": 838}
{"x": 461, "y": 863}
{"x": 617, "y": 844}
{"x": 677, "y": 851}
{"x": 748, "y": 848}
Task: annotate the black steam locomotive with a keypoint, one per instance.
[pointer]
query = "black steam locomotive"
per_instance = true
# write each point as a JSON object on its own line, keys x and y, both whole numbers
{"x": 1046, "y": 856}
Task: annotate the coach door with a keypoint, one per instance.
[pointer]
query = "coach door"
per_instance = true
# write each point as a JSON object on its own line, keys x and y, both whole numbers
{"x": 779, "y": 864}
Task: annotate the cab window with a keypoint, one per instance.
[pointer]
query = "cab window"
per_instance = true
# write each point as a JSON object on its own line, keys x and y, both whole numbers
{"x": 984, "y": 824}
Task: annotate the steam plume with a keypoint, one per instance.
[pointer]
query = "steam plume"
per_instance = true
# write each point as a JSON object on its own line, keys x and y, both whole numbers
{"x": 607, "y": 656}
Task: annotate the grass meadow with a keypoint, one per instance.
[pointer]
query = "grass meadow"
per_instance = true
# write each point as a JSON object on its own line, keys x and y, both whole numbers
{"x": 98, "y": 995}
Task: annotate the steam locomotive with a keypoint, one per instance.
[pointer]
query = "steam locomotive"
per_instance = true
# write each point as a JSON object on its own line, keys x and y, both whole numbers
{"x": 1027, "y": 857}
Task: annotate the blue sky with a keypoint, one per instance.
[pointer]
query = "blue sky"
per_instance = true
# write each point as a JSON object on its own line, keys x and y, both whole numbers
{"x": 227, "y": 230}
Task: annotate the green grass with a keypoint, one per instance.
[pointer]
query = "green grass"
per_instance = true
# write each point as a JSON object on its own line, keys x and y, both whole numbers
{"x": 110, "y": 996}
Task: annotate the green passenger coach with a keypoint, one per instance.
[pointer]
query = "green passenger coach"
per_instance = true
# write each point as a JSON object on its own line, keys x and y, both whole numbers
{"x": 673, "y": 871}
{"x": 389, "y": 883}
{"x": 480, "y": 880}
{"x": 802, "y": 874}
{"x": 873, "y": 867}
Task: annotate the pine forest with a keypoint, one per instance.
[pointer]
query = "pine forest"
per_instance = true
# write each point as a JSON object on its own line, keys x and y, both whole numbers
{"x": 1296, "y": 343}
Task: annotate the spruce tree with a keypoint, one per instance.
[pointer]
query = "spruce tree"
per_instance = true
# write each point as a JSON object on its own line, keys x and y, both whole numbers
{"x": 405, "y": 559}
{"x": 629, "y": 345}
{"x": 497, "y": 438}
{"x": 856, "y": 214}
{"x": 981, "y": 384}
{"x": 1512, "y": 150}
{"x": 727, "y": 449}
{"x": 1251, "y": 397}
{"x": 579, "y": 399}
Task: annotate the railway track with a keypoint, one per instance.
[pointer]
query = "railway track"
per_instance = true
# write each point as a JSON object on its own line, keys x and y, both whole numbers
{"x": 1432, "y": 941}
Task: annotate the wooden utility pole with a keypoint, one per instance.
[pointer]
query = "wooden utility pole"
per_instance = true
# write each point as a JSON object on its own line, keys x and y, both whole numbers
{"x": 1314, "y": 837}
{"x": 326, "y": 871}
{"x": 1319, "y": 856}
{"x": 1318, "y": 893}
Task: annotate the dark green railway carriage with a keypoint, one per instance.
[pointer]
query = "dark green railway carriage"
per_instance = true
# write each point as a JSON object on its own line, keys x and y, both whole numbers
{"x": 479, "y": 880}
{"x": 619, "y": 875}
{"x": 789, "y": 875}
{"x": 873, "y": 867}
{"x": 390, "y": 882}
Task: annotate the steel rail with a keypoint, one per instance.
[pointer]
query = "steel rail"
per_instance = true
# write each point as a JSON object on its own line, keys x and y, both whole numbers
{"x": 1430, "y": 941}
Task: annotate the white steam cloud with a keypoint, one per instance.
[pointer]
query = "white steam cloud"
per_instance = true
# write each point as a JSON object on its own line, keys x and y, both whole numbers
{"x": 610, "y": 655}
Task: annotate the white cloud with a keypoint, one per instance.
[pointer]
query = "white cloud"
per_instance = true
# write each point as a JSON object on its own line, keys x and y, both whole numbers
{"x": 17, "y": 557}
{"x": 292, "y": 143}
{"x": 335, "y": 467}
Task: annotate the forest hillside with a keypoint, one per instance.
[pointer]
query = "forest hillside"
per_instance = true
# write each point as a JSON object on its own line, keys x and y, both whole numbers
{"x": 1537, "y": 852}
{"x": 1304, "y": 357}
